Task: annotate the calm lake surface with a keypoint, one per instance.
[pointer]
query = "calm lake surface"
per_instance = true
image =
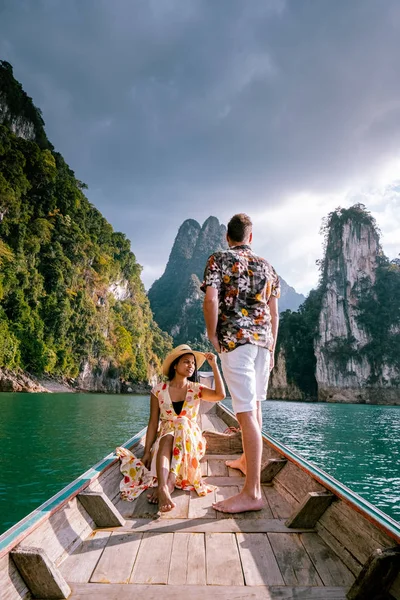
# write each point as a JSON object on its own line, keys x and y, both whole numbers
{"x": 47, "y": 440}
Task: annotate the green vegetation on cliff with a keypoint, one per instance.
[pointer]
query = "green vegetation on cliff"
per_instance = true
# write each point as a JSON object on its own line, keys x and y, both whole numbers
{"x": 376, "y": 299}
{"x": 379, "y": 315}
{"x": 70, "y": 288}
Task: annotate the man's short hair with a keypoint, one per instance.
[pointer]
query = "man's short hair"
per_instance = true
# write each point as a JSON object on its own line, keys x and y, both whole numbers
{"x": 239, "y": 227}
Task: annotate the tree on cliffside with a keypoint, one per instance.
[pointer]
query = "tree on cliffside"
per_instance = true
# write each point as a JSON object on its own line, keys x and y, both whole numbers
{"x": 70, "y": 287}
{"x": 350, "y": 323}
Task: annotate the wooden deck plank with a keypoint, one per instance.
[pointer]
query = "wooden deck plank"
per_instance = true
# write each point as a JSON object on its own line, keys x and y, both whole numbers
{"x": 79, "y": 567}
{"x": 142, "y": 508}
{"x": 179, "y": 558}
{"x": 201, "y": 506}
{"x": 125, "y": 507}
{"x": 294, "y": 562}
{"x": 197, "y": 560}
{"x": 217, "y": 468}
{"x": 225, "y": 492}
{"x": 220, "y": 481}
{"x": 222, "y": 559}
{"x": 116, "y": 562}
{"x": 188, "y": 560}
{"x": 328, "y": 565}
{"x": 98, "y": 591}
{"x": 258, "y": 560}
{"x": 213, "y": 525}
{"x": 153, "y": 559}
{"x": 221, "y": 456}
{"x": 348, "y": 559}
{"x": 280, "y": 508}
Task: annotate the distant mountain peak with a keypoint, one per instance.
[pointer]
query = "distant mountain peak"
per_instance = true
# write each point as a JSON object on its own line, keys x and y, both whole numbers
{"x": 176, "y": 299}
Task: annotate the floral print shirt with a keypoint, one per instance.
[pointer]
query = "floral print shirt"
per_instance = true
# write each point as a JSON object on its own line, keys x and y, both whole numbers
{"x": 245, "y": 283}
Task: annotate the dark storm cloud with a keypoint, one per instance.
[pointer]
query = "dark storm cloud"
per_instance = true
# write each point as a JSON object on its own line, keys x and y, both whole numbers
{"x": 161, "y": 105}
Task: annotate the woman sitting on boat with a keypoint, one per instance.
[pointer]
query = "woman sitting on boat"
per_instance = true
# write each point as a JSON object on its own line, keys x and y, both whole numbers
{"x": 174, "y": 442}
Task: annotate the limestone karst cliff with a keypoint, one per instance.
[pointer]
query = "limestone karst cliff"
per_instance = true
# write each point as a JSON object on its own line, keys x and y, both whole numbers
{"x": 176, "y": 299}
{"x": 343, "y": 345}
{"x": 346, "y": 368}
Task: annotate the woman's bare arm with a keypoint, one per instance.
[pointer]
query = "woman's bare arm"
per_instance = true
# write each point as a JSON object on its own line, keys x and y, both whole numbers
{"x": 152, "y": 426}
{"x": 219, "y": 393}
{"x": 152, "y": 429}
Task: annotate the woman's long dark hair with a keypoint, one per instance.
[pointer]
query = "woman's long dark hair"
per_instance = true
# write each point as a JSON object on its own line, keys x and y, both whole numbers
{"x": 171, "y": 372}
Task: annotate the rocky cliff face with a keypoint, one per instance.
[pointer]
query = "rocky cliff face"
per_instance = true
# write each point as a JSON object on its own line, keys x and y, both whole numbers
{"x": 73, "y": 306}
{"x": 17, "y": 111}
{"x": 279, "y": 387}
{"x": 176, "y": 299}
{"x": 344, "y": 343}
{"x": 19, "y": 125}
{"x": 344, "y": 371}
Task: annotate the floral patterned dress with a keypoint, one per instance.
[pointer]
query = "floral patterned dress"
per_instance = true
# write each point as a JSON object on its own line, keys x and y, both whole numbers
{"x": 189, "y": 447}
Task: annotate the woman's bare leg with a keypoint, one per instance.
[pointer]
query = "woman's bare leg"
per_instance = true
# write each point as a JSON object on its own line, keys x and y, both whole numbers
{"x": 163, "y": 463}
{"x": 250, "y": 497}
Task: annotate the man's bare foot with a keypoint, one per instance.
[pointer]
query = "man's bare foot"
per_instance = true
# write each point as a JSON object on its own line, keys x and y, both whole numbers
{"x": 165, "y": 502}
{"x": 240, "y": 503}
{"x": 237, "y": 463}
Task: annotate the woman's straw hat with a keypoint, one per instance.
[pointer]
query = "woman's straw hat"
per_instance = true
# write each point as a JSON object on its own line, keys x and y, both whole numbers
{"x": 180, "y": 351}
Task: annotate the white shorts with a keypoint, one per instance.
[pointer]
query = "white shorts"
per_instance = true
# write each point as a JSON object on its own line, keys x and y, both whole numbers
{"x": 246, "y": 372}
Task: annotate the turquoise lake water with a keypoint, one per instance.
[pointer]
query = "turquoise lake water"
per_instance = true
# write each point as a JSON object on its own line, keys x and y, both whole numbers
{"x": 47, "y": 440}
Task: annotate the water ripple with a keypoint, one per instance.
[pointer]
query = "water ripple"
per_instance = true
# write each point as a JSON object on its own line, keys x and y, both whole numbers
{"x": 355, "y": 443}
{"x": 48, "y": 440}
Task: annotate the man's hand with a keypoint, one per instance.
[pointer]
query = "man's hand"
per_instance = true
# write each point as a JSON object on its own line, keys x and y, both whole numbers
{"x": 271, "y": 361}
{"x": 214, "y": 340}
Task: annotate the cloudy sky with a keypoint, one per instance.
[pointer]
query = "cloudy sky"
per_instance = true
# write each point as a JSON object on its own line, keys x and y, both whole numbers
{"x": 176, "y": 109}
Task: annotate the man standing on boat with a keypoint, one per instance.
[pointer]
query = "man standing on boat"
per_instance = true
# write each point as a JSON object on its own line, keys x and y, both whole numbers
{"x": 241, "y": 315}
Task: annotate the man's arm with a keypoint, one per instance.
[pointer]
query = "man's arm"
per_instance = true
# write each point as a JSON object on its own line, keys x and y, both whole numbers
{"x": 273, "y": 308}
{"x": 210, "y": 308}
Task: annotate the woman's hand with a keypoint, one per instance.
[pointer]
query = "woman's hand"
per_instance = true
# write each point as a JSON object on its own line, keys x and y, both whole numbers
{"x": 146, "y": 460}
{"x": 211, "y": 359}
